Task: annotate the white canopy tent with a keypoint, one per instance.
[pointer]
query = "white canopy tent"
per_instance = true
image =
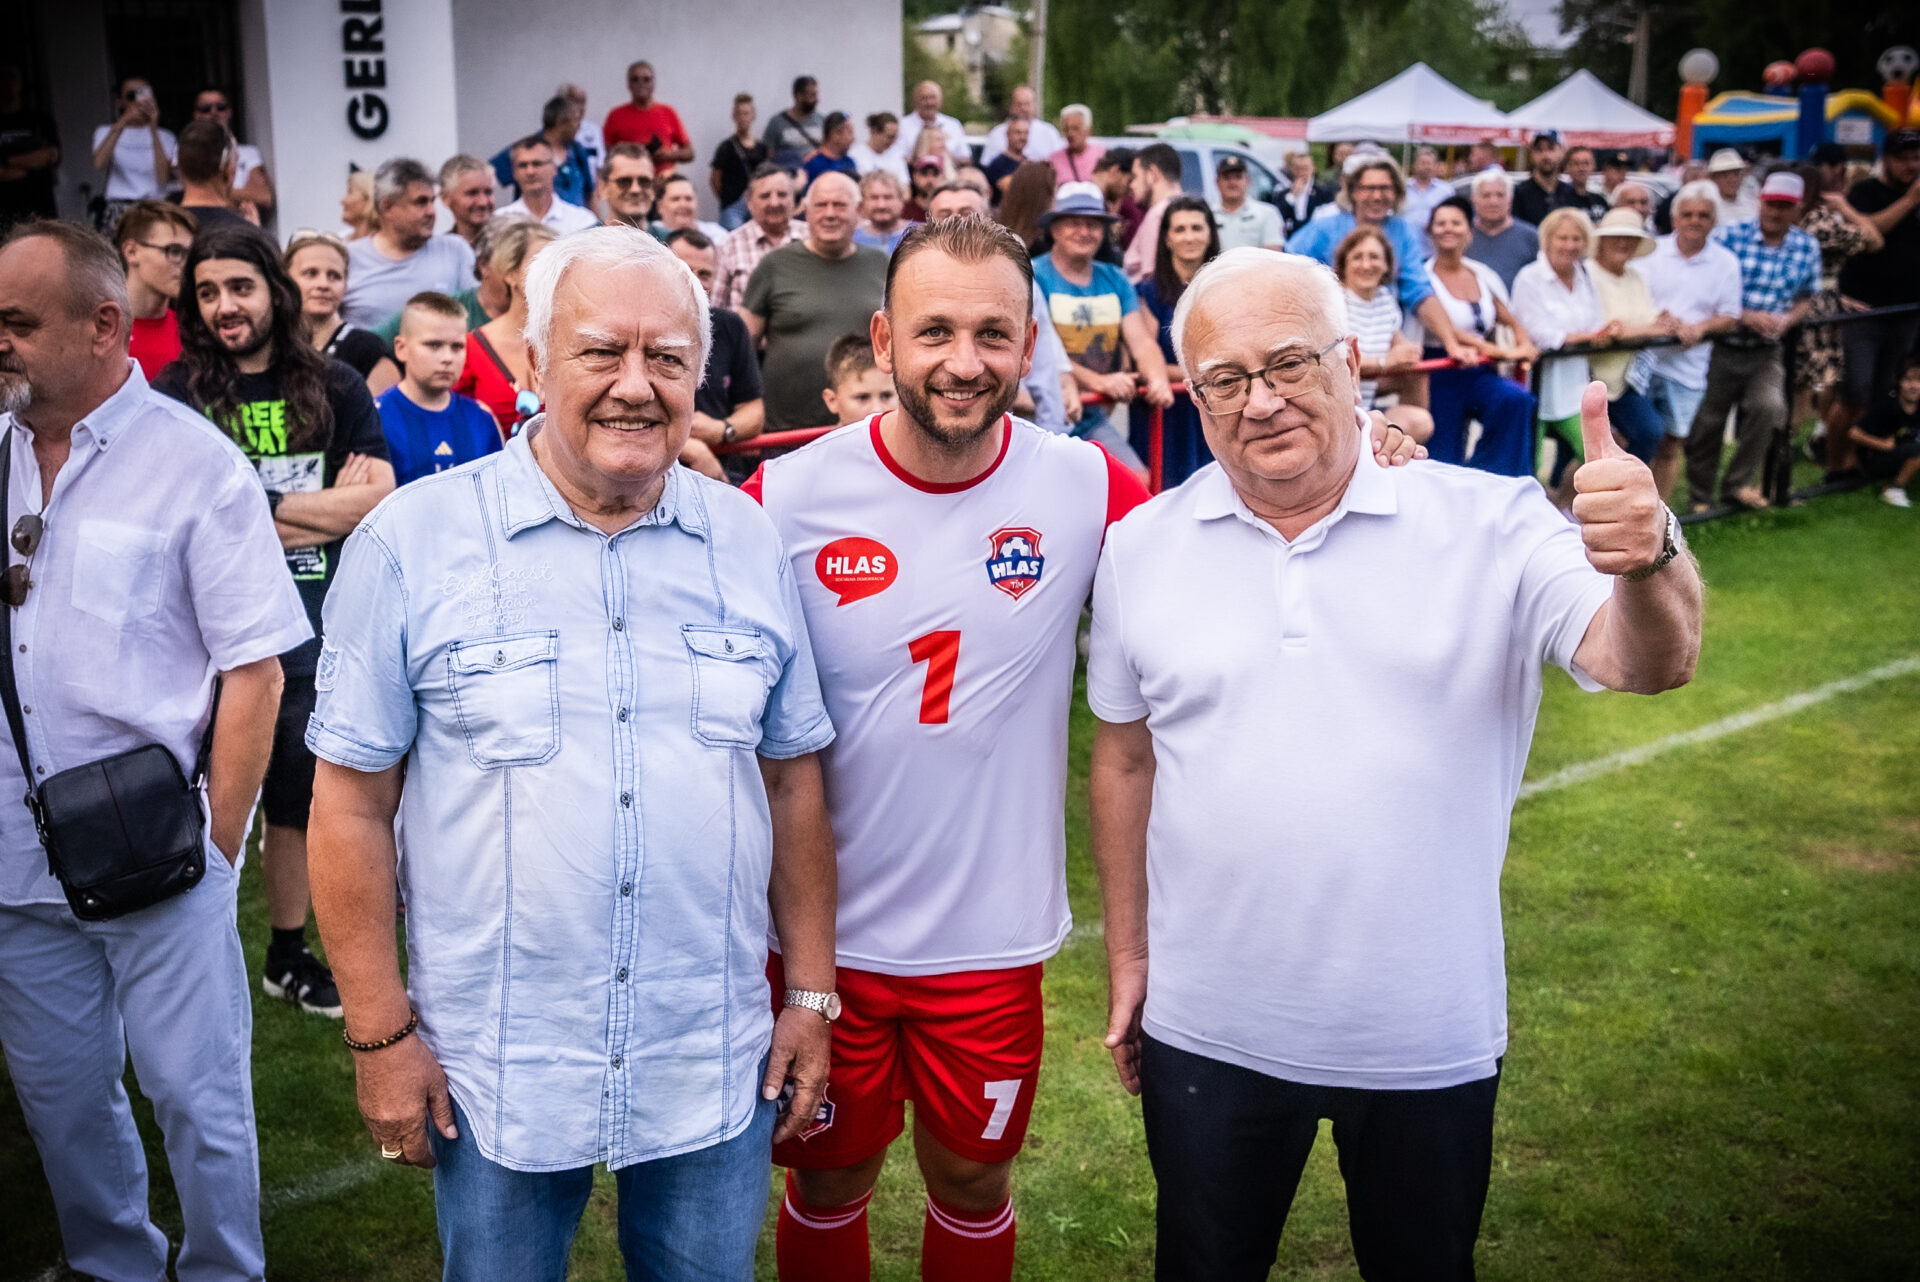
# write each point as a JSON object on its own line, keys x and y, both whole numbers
{"x": 1589, "y": 114}
{"x": 1418, "y": 105}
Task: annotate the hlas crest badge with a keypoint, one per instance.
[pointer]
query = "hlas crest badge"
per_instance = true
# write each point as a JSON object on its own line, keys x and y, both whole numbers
{"x": 1014, "y": 562}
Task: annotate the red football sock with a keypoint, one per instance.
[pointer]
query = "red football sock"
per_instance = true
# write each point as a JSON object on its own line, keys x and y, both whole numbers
{"x": 960, "y": 1246}
{"x": 816, "y": 1244}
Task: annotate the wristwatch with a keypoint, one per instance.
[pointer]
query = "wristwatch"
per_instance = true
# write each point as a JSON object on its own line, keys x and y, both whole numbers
{"x": 1667, "y": 553}
{"x": 825, "y": 1005}
{"x": 273, "y": 500}
{"x": 727, "y": 432}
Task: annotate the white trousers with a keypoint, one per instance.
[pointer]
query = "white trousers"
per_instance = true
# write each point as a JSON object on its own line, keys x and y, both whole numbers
{"x": 167, "y": 985}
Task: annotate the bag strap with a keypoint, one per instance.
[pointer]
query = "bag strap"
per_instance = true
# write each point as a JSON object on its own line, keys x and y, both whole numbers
{"x": 9, "y": 694}
{"x": 494, "y": 356}
{"x": 9, "y": 691}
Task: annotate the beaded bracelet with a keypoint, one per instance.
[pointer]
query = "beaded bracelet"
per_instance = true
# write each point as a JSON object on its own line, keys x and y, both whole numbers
{"x": 413, "y": 1022}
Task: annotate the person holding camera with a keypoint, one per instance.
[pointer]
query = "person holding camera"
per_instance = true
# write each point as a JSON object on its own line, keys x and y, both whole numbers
{"x": 142, "y": 627}
{"x": 134, "y": 152}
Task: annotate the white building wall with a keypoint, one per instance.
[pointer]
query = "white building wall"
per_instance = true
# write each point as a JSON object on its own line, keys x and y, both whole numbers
{"x": 310, "y": 51}
{"x": 510, "y": 55}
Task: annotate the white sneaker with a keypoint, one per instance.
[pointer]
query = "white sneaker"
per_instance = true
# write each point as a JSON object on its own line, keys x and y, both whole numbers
{"x": 1895, "y": 495}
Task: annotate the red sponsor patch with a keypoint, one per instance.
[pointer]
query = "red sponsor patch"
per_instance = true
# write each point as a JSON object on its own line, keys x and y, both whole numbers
{"x": 854, "y": 568}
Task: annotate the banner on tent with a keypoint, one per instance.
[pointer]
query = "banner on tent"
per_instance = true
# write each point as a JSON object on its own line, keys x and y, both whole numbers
{"x": 1466, "y": 135}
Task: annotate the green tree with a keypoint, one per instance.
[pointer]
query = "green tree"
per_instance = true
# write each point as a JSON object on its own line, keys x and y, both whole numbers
{"x": 1140, "y": 60}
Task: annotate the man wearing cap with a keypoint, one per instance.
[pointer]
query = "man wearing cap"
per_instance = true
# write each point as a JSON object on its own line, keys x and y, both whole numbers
{"x": 1543, "y": 191}
{"x": 1578, "y": 167}
{"x": 1739, "y": 199}
{"x": 1096, "y": 312}
{"x": 1779, "y": 275}
{"x": 1243, "y": 221}
{"x": 1889, "y": 277}
{"x": 1613, "y": 171}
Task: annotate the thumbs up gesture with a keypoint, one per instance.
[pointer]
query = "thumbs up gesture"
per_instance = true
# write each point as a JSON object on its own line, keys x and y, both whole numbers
{"x": 1622, "y": 519}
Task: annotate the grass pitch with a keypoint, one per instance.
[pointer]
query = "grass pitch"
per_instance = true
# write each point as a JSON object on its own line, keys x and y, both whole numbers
{"x": 1713, "y": 972}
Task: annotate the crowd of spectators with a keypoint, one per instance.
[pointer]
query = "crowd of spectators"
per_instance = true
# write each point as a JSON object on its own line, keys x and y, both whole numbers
{"x": 344, "y": 363}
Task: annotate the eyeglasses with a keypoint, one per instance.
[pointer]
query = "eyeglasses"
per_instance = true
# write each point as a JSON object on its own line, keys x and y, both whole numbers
{"x": 628, "y": 184}
{"x": 174, "y": 253}
{"x": 208, "y": 108}
{"x": 26, "y": 540}
{"x": 1374, "y": 189}
{"x": 1287, "y": 375}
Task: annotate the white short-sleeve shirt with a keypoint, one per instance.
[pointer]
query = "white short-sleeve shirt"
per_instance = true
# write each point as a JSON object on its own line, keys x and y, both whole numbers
{"x": 130, "y": 174}
{"x": 1693, "y": 289}
{"x": 1339, "y": 726}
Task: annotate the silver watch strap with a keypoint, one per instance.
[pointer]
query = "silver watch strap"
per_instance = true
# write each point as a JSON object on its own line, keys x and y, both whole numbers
{"x": 815, "y": 1002}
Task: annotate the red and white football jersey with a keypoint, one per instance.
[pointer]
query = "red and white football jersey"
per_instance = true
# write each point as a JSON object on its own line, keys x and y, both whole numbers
{"x": 943, "y": 620}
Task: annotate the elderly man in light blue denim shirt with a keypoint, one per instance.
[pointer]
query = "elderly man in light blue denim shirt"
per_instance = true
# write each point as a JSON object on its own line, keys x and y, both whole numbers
{"x": 579, "y": 677}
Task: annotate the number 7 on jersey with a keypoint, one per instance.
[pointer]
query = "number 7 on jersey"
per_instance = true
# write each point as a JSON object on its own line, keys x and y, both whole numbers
{"x": 940, "y": 651}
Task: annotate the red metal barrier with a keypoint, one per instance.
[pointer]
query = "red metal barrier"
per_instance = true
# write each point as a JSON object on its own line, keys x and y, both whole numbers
{"x": 1156, "y": 429}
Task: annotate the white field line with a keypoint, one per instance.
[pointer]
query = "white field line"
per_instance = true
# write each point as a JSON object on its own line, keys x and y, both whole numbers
{"x": 357, "y": 1171}
{"x": 1719, "y": 729}
{"x": 1647, "y": 751}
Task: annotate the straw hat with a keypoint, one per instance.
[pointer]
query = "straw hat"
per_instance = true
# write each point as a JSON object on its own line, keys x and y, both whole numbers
{"x": 1626, "y": 222}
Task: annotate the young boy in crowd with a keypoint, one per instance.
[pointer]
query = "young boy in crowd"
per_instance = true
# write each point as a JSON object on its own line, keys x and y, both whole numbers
{"x": 1889, "y": 439}
{"x": 429, "y": 426}
{"x": 856, "y": 389}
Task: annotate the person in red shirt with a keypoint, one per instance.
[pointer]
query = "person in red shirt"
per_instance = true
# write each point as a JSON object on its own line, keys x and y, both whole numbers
{"x": 654, "y": 125}
{"x": 153, "y": 237}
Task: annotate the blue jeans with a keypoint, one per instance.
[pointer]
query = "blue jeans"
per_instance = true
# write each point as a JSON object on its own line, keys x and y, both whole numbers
{"x": 1505, "y": 411}
{"x": 690, "y": 1218}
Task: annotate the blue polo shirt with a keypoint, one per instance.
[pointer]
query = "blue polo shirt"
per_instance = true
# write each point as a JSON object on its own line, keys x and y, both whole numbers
{"x": 421, "y": 442}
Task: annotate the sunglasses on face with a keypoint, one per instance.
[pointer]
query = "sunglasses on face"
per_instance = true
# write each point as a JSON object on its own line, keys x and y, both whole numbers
{"x": 209, "y": 108}
{"x": 628, "y": 184}
{"x": 27, "y": 532}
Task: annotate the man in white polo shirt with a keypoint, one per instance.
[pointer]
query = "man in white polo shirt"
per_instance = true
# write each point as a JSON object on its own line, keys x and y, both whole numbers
{"x": 1316, "y": 682}
{"x": 1697, "y": 284}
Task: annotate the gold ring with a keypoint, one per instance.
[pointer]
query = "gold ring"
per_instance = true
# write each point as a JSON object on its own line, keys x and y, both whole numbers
{"x": 391, "y": 1154}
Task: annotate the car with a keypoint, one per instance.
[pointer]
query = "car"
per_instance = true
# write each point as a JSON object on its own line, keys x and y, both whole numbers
{"x": 1199, "y": 157}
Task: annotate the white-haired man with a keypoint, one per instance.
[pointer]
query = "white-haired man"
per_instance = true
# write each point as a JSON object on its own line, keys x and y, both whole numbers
{"x": 596, "y": 664}
{"x": 1355, "y": 972}
{"x": 1697, "y": 283}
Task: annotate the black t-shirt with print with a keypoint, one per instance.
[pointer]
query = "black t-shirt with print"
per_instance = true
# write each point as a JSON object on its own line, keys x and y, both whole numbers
{"x": 261, "y": 433}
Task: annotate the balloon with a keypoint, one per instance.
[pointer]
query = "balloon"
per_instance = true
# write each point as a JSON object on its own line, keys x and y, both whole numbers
{"x": 1899, "y": 63}
{"x": 1815, "y": 66}
{"x": 1699, "y": 67}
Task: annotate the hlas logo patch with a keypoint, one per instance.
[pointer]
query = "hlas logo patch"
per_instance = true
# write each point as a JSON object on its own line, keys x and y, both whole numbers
{"x": 855, "y": 568}
{"x": 1014, "y": 561}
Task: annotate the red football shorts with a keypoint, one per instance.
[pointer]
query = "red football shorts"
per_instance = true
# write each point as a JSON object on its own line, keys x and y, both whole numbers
{"x": 965, "y": 1048}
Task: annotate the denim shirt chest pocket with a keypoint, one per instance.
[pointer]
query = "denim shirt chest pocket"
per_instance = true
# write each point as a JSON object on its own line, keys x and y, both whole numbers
{"x": 506, "y": 691}
{"x": 733, "y": 672}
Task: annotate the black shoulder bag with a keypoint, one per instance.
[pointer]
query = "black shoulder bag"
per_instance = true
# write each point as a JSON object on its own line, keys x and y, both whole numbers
{"x": 121, "y": 833}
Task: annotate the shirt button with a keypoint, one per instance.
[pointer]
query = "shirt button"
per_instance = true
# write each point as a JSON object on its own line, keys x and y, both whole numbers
{"x": 23, "y": 649}
{"x": 617, "y": 625}
{"x": 39, "y": 770}
{"x": 729, "y": 647}
{"x": 28, "y": 709}
{"x": 623, "y": 713}
{"x": 621, "y": 974}
{"x": 499, "y": 657}
{"x": 616, "y": 1061}
{"x": 626, "y": 888}
{"x": 626, "y": 799}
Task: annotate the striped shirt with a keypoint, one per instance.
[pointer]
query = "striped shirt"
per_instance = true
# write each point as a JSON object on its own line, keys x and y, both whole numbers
{"x": 1374, "y": 321}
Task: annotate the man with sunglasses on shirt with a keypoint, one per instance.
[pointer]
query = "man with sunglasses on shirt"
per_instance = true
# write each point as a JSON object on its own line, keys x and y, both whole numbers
{"x": 127, "y": 599}
{"x": 626, "y": 186}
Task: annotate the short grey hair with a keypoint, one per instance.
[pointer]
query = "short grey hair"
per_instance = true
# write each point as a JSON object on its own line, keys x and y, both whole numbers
{"x": 1487, "y": 177}
{"x": 607, "y": 247}
{"x": 1699, "y": 191}
{"x": 95, "y": 272}
{"x": 391, "y": 180}
{"x": 461, "y": 163}
{"x": 1078, "y": 110}
{"x": 1614, "y": 200}
{"x": 1284, "y": 273}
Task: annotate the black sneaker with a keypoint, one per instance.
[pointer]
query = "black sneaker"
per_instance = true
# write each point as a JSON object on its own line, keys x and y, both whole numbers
{"x": 302, "y": 981}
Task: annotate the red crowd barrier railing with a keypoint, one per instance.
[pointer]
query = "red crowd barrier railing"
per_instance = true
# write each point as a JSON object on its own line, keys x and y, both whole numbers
{"x": 1156, "y": 428}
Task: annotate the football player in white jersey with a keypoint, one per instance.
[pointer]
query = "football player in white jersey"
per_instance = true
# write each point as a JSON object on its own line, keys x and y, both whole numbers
{"x": 944, "y": 551}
